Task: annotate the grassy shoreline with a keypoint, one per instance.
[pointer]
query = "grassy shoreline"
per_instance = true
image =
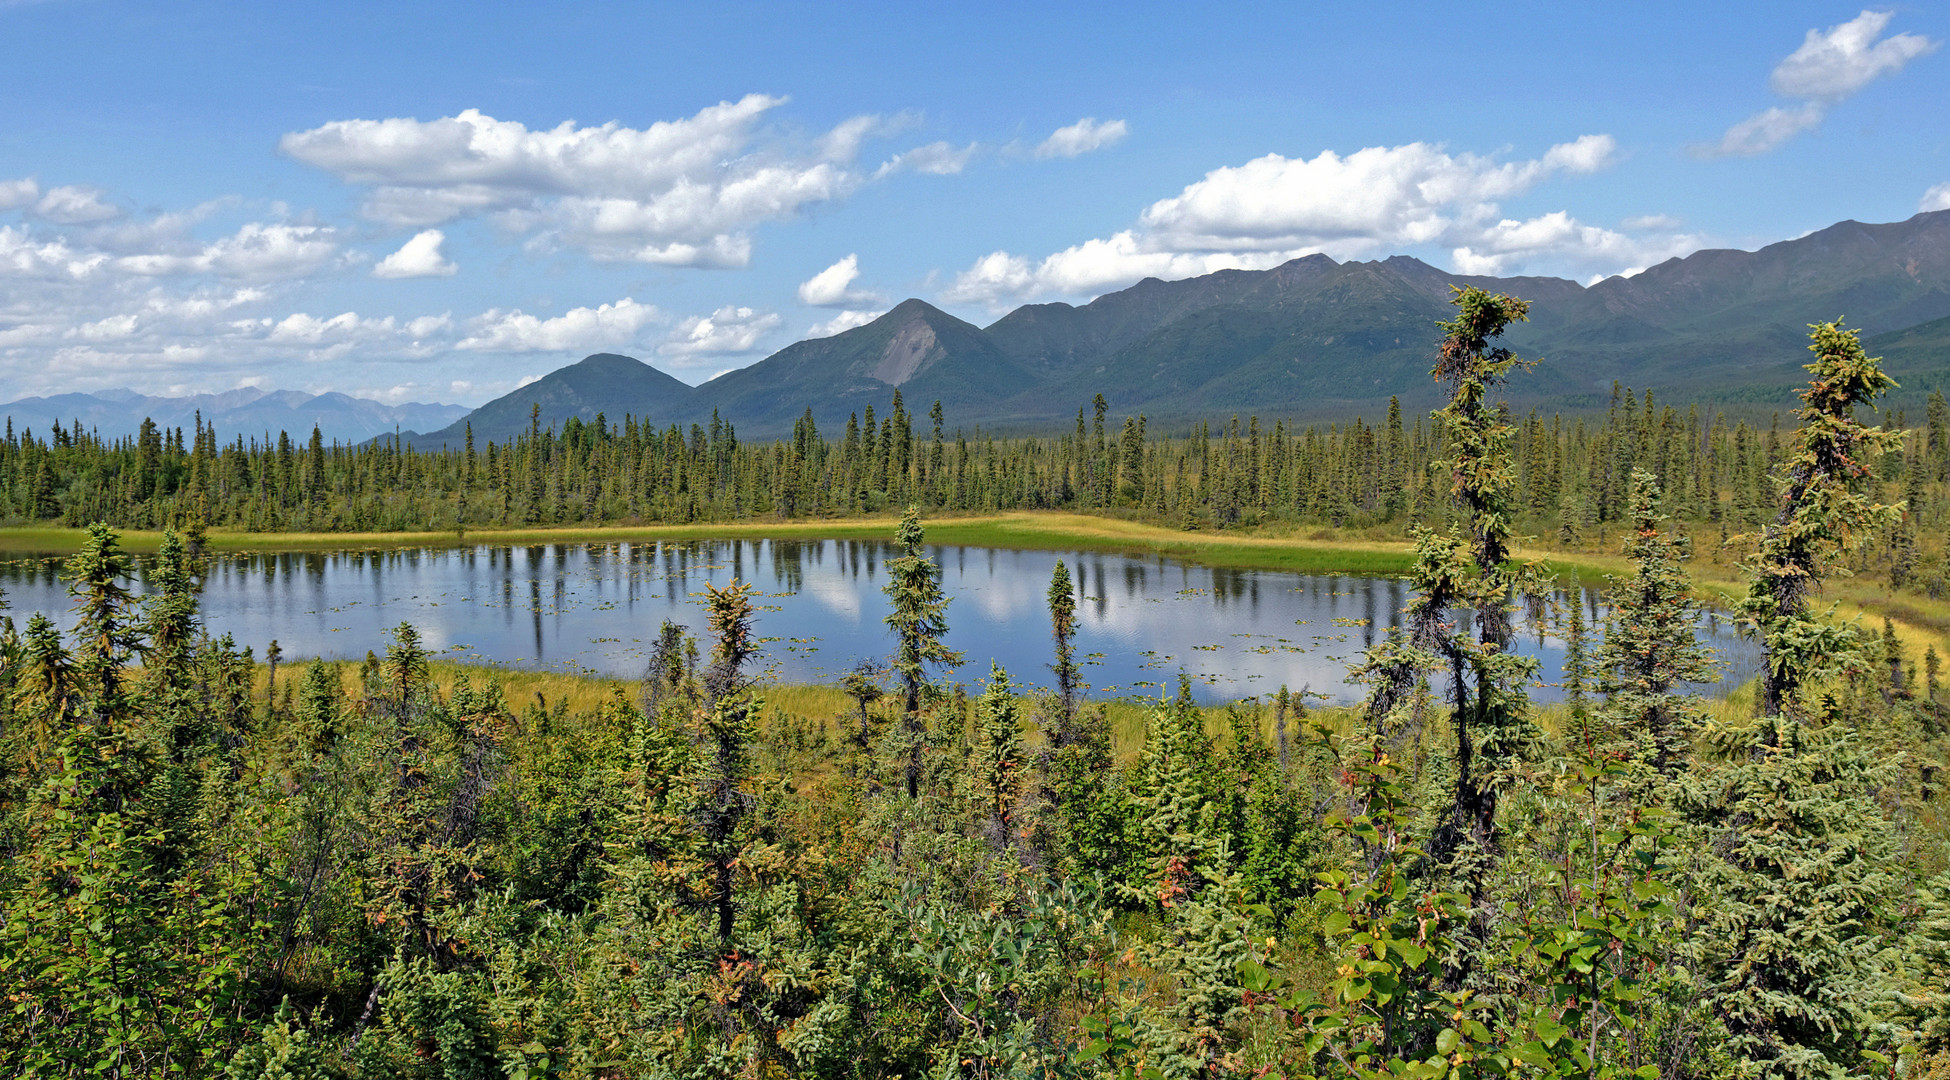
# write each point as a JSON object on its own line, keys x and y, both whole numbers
{"x": 1043, "y": 531}
{"x": 1295, "y": 549}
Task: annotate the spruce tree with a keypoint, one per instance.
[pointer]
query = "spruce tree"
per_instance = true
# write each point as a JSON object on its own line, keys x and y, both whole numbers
{"x": 1486, "y": 677}
{"x": 919, "y": 620}
{"x": 1786, "y": 928}
{"x": 1824, "y": 514}
{"x": 1650, "y": 645}
{"x": 1063, "y": 627}
{"x": 998, "y": 765}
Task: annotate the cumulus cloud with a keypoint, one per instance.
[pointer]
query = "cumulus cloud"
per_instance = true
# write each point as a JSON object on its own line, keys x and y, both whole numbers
{"x": 1081, "y": 138}
{"x": 1937, "y": 198}
{"x": 1831, "y": 66}
{"x": 680, "y": 192}
{"x": 24, "y": 255}
{"x": 1402, "y": 194}
{"x": 75, "y": 205}
{"x": 256, "y": 251}
{"x": 609, "y": 326}
{"x": 1508, "y": 243}
{"x": 1092, "y": 267}
{"x": 1275, "y": 208}
{"x": 727, "y": 330}
{"x": 418, "y": 257}
{"x": 833, "y": 286}
{"x": 842, "y": 322}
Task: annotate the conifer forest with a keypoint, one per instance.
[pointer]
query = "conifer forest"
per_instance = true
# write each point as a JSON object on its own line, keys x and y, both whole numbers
{"x": 214, "y": 865}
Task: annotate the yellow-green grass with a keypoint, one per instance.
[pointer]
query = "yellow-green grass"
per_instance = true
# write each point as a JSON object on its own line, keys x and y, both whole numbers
{"x": 1319, "y": 550}
{"x": 581, "y": 693}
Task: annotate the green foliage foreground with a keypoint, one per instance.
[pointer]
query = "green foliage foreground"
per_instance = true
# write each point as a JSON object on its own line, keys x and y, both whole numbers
{"x": 357, "y": 873}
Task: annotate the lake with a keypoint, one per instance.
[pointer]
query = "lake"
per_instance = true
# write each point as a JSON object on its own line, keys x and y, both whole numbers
{"x": 596, "y": 608}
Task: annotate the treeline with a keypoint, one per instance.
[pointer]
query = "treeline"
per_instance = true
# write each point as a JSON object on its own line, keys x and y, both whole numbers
{"x": 1573, "y": 476}
{"x": 367, "y": 871}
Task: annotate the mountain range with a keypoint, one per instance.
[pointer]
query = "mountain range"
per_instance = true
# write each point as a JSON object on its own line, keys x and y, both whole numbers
{"x": 1319, "y": 339}
{"x": 249, "y": 412}
{"x": 1309, "y": 340}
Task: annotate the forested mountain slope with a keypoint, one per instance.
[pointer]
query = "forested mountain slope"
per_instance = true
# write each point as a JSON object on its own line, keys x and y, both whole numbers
{"x": 1316, "y": 339}
{"x": 604, "y": 384}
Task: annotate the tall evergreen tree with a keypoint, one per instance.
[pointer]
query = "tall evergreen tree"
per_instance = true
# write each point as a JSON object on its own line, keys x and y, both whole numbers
{"x": 1489, "y": 712}
{"x": 1650, "y": 644}
{"x": 919, "y": 620}
{"x": 1063, "y": 628}
{"x": 1788, "y": 919}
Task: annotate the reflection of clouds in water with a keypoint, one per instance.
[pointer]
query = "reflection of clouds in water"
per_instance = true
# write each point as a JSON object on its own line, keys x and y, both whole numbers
{"x": 995, "y": 582}
{"x": 834, "y": 593}
{"x": 595, "y": 605}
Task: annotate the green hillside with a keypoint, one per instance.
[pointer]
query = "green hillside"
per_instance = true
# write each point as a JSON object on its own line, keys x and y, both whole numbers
{"x": 1315, "y": 339}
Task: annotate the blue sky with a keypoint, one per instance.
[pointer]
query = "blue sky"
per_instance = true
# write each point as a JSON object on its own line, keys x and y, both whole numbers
{"x": 437, "y": 202}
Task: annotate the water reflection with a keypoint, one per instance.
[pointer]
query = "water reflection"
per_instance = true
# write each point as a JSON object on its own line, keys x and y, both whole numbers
{"x": 597, "y": 606}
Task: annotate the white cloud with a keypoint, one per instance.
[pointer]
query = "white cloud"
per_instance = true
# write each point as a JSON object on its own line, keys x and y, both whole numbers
{"x": 1651, "y": 221}
{"x": 75, "y": 205}
{"x": 726, "y": 330}
{"x": 337, "y": 336}
{"x": 309, "y": 329}
{"x": 1568, "y": 242}
{"x": 609, "y": 326}
{"x": 1585, "y": 154}
{"x": 200, "y": 305}
{"x": 72, "y": 317}
{"x": 1274, "y": 208}
{"x": 1766, "y": 130}
{"x": 256, "y": 251}
{"x": 832, "y": 287}
{"x": 18, "y": 193}
{"x": 935, "y": 159}
{"x": 842, "y": 322}
{"x": 1095, "y": 266}
{"x": 1937, "y": 198}
{"x": 1081, "y": 138}
{"x": 1830, "y": 66}
{"x": 22, "y": 255}
{"x": 843, "y": 143}
{"x": 418, "y": 257}
{"x": 680, "y": 192}
{"x": 1402, "y": 194}
{"x": 1833, "y": 64}
{"x": 113, "y": 328}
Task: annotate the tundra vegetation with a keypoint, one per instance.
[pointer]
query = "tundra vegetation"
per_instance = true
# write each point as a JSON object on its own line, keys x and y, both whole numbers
{"x": 391, "y": 869}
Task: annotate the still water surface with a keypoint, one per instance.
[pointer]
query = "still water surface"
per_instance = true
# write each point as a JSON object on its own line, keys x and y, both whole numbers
{"x": 596, "y": 607}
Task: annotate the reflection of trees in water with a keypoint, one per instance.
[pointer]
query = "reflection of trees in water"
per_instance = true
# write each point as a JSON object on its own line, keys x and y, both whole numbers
{"x": 788, "y": 565}
{"x": 535, "y": 610}
{"x": 263, "y": 583}
{"x": 1228, "y": 584}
